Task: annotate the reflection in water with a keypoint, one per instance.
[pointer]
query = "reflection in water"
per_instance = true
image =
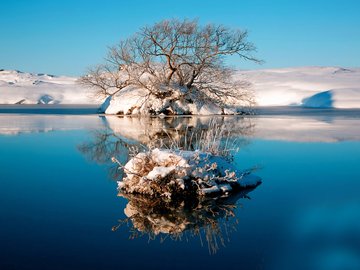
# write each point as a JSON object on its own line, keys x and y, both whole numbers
{"x": 305, "y": 216}
{"x": 16, "y": 124}
{"x": 210, "y": 219}
{"x": 322, "y": 237}
{"x": 169, "y": 130}
{"x": 125, "y": 136}
{"x": 307, "y": 129}
{"x": 300, "y": 127}
{"x": 106, "y": 144}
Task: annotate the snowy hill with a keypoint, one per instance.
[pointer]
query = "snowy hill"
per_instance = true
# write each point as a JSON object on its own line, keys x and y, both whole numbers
{"x": 305, "y": 86}
{"x": 26, "y": 88}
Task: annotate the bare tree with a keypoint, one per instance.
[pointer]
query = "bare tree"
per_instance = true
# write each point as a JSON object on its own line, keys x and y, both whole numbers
{"x": 105, "y": 80}
{"x": 178, "y": 59}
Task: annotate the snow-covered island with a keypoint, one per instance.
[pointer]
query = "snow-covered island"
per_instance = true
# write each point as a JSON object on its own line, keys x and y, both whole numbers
{"x": 169, "y": 174}
{"x": 176, "y": 193}
{"x": 317, "y": 87}
{"x": 190, "y": 162}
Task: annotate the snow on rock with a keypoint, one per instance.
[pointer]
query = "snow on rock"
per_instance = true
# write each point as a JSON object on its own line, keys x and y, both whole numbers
{"x": 160, "y": 172}
{"x": 134, "y": 101}
{"x": 209, "y": 108}
{"x": 167, "y": 173}
{"x": 27, "y": 88}
{"x": 138, "y": 101}
{"x": 128, "y": 102}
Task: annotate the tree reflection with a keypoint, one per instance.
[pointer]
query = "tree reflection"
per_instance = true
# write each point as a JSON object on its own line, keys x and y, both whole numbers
{"x": 122, "y": 136}
{"x": 106, "y": 144}
{"x": 210, "y": 219}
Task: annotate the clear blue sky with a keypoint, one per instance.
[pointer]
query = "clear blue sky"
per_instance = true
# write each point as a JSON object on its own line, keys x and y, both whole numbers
{"x": 65, "y": 37}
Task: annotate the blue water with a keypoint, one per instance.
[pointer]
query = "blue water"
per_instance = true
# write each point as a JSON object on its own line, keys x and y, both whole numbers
{"x": 58, "y": 205}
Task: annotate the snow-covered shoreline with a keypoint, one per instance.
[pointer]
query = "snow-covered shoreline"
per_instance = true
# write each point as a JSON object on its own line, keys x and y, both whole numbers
{"x": 315, "y": 87}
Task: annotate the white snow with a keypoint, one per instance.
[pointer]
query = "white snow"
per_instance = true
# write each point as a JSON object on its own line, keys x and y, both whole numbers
{"x": 129, "y": 101}
{"x": 28, "y": 88}
{"x": 303, "y": 86}
{"x": 320, "y": 87}
{"x": 138, "y": 101}
{"x": 207, "y": 109}
{"x": 167, "y": 158}
{"x": 159, "y": 172}
{"x": 162, "y": 171}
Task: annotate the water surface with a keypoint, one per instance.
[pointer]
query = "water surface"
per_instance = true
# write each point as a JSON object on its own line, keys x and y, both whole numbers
{"x": 59, "y": 203}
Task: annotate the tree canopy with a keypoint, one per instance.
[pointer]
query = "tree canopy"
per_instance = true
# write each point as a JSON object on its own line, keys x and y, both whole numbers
{"x": 180, "y": 59}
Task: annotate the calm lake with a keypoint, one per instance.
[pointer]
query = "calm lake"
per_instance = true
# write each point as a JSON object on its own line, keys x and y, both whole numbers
{"x": 60, "y": 209}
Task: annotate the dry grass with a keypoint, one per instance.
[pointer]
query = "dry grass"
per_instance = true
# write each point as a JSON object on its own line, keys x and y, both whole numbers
{"x": 216, "y": 140}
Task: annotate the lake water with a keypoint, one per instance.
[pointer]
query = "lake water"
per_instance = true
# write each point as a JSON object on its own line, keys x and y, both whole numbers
{"x": 60, "y": 209}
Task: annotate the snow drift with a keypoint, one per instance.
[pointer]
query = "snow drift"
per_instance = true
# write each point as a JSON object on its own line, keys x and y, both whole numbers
{"x": 306, "y": 86}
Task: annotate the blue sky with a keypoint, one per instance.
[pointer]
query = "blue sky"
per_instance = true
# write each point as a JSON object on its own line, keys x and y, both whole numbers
{"x": 65, "y": 37}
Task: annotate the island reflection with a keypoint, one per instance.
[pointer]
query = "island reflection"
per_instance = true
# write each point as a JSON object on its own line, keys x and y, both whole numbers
{"x": 123, "y": 135}
{"x": 210, "y": 219}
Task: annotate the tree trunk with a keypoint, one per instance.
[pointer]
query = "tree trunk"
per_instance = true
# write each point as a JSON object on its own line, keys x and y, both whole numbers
{"x": 168, "y": 79}
{"x": 190, "y": 83}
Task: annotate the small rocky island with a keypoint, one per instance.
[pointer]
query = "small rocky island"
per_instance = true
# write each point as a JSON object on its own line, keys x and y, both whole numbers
{"x": 170, "y": 174}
